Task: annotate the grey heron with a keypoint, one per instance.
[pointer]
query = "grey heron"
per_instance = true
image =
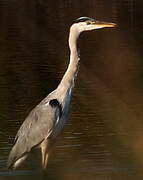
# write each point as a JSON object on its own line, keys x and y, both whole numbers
{"x": 46, "y": 121}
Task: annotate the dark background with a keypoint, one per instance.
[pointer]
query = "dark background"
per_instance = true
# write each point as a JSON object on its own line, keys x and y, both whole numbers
{"x": 104, "y": 137}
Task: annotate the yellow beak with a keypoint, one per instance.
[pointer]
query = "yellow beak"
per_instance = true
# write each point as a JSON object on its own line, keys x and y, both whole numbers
{"x": 100, "y": 24}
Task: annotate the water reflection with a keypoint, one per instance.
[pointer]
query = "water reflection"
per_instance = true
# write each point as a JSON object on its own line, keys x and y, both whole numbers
{"x": 103, "y": 139}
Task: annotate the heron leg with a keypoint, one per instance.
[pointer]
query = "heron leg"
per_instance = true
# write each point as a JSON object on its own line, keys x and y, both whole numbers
{"x": 45, "y": 150}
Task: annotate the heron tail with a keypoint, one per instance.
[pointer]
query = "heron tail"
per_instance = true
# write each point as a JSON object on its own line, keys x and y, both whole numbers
{"x": 15, "y": 158}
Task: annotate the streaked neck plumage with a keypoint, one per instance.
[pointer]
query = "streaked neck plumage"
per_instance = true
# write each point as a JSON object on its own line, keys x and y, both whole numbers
{"x": 67, "y": 81}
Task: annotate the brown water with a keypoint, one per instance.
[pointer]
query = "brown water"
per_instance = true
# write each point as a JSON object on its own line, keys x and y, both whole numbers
{"x": 104, "y": 137}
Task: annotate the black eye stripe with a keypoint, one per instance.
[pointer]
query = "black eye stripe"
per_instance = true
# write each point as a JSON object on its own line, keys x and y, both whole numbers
{"x": 83, "y": 19}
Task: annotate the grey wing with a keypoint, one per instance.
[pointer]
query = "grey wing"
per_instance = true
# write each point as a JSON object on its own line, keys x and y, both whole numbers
{"x": 39, "y": 125}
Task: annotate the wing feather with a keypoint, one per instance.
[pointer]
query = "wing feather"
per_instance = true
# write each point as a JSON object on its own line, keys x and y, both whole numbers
{"x": 40, "y": 124}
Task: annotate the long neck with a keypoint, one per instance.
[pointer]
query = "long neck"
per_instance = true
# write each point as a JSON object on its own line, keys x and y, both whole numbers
{"x": 72, "y": 70}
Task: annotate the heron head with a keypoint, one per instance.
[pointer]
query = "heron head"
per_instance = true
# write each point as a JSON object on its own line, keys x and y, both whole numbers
{"x": 88, "y": 24}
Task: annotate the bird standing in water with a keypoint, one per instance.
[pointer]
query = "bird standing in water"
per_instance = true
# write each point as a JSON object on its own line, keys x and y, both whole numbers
{"x": 46, "y": 121}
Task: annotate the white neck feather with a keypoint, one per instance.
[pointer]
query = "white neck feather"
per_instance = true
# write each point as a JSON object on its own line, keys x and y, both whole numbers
{"x": 67, "y": 81}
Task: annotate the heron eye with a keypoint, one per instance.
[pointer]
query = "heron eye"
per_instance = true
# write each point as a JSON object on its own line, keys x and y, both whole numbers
{"x": 88, "y": 22}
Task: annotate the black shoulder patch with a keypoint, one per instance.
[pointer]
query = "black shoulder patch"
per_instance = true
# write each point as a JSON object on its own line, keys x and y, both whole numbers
{"x": 55, "y": 103}
{"x": 83, "y": 19}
